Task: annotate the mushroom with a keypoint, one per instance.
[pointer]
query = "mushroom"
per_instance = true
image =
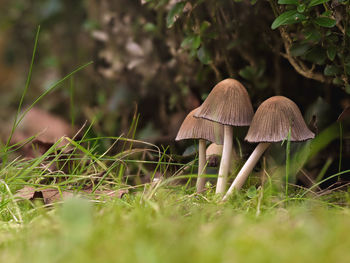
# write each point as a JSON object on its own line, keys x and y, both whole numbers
{"x": 271, "y": 123}
{"x": 194, "y": 128}
{"x": 213, "y": 154}
{"x": 229, "y": 104}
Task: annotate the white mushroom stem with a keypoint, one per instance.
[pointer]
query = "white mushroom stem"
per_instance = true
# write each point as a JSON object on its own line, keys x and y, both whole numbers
{"x": 247, "y": 168}
{"x": 225, "y": 160}
{"x": 201, "y": 166}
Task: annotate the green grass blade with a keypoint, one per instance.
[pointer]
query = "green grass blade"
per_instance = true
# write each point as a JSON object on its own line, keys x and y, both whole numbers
{"x": 288, "y": 161}
{"x": 51, "y": 89}
{"x": 29, "y": 77}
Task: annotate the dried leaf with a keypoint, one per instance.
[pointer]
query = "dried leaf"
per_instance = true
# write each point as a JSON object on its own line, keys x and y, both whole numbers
{"x": 26, "y": 192}
{"x": 49, "y": 195}
{"x": 47, "y": 128}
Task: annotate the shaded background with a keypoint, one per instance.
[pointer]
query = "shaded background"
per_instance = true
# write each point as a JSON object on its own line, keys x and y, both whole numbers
{"x": 147, "y": 64}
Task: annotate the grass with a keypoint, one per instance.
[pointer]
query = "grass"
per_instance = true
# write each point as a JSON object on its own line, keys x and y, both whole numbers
{"x": 164, "y": 222}
{"x": 174, "y": 226}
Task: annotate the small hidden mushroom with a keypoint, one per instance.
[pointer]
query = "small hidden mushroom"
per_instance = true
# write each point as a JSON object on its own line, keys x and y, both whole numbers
{"x": 271, "y": 123}
{"x": 213, "y": 154}
{"x": 195, "y": 128}
{"x": 228, "y": 104}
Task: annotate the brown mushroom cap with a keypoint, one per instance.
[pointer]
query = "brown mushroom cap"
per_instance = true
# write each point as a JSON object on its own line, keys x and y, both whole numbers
{"x": 272, "y": 120}
{"x": 228, "y": 103}
{"x": 195, "y": 128}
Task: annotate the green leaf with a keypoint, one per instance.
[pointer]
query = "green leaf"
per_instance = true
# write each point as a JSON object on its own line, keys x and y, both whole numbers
{"x": 331, "y": 70}
{"x": 316, "y": 55}
{"x": 252, "y": 192}
{"x": 196, "y": 42}
{"x": 299, "y": 49}
{"x": 338, "y": 81}
{"x": 301, "y": 8}
{"x": 247, "y": 73}
{"x": 204, "y": 26}
{"x": 174, "y": 13}
{"x": 325, "y": 22}
{"x": 347, "y": 59}
{"x": 192, "y": 42}
{"x": 288, "y": 18}
{"x": 203, "y": 55}
{"x": 317, "y": 2}
{"x": 348, "y": 32}
{"x": 347, "y": 88}
{"x": 150, "y": 27}
{"x": 187, "y": 41}
{"x": 333, "y": 38}
{"x": 331, "y": 52}
{"x": 312, "y": 35}
{"x": 252, "y": 73}
{"x": 327, "y": 13}
{"x": 347, "y": 69}
{"x": 288, "y": 2}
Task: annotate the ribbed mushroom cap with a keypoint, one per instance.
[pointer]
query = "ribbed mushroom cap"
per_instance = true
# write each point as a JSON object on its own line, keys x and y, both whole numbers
{"x": 228, "y": 103}
{"x": 272, "y": 120}
{"x": 196, "y": 128}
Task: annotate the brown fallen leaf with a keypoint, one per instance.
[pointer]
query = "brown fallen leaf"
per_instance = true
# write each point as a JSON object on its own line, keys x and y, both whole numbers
{"x": 47, "y": 126}
{"x": 26, "y": 192}
{"x": 49, "y": 195}
{"x": 52, "y": 195}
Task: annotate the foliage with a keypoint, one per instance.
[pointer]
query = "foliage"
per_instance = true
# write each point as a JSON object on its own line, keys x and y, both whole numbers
{"x": 314, "y": 32}
{"x": 319, "y": 34}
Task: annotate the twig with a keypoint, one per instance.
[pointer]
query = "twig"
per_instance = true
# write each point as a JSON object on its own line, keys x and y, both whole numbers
{"x": 297, "y": 64}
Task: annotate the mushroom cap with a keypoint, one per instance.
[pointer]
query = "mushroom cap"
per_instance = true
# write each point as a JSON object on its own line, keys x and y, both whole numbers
{"x": 273, "y": 119}
{"x": 214, "y": 149}
{"x": 228, "y": 103}
{"x": 196, "y": 128}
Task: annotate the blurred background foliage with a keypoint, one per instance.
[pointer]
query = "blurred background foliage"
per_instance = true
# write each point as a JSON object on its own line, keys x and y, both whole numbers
{"x": 161, "y": 58}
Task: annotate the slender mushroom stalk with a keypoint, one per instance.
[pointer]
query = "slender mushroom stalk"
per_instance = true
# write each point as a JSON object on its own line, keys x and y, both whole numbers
{"x": 194, "y": 128}
{"x": 272, "y": 122}
{"x": 225, "y": 160}
{"x": 229, "y": 104}
{"x": 201, "y": 166}
{"x": 247, "y": 168}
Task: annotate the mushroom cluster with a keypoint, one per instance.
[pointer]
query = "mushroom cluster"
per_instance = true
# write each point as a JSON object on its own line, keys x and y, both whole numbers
{"x": 228, "y": 105}
{"x": 203, "y": 130}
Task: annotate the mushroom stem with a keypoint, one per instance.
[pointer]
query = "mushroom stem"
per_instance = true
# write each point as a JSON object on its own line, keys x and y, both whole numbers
{"x": 225, "y": 160}
{"x": 247, "y": 168}
{"x": 201, "y": 166}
